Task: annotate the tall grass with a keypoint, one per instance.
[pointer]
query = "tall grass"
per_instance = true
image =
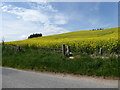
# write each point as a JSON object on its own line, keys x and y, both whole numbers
{"x": 42, "y": 60}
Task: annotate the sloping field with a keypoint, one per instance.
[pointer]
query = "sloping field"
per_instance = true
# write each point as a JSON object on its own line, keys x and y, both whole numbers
{"x": 84, "y": 41}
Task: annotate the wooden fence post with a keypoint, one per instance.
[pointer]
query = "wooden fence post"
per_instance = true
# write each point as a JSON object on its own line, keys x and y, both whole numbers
{"x": 68, "y": 50}
{"x": 63, "y": 49}
{"x": 3, "y": 42}
{"x": 18, "y": 48}
{"x": 69, "y": 53}
{"x": 3, "y": 45}
{"x": 100, "y": 52}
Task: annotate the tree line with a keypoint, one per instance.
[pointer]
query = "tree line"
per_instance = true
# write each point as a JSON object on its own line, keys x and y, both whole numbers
{"x": 35, "y": 35}
{"x": 97, "y": 29}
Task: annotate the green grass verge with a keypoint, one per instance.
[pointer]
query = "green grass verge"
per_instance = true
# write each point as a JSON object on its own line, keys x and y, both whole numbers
{"x": 43, "y": 60}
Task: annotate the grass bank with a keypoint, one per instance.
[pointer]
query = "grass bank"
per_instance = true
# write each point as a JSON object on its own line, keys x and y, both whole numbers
{"x": 36, "y": 59}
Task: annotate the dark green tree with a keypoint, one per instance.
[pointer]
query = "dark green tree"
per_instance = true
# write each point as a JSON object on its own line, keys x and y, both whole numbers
{"x": 35, "y": 35}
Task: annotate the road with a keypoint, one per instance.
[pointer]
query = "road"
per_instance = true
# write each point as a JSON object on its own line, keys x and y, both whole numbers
{"x": 13, "y": 78}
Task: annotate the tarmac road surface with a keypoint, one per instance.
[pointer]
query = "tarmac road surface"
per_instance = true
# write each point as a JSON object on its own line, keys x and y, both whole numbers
{"x": 13, "y": 78}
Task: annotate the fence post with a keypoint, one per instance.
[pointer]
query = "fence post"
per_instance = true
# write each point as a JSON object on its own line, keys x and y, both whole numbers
{"x": 3, "y": 45}
{"x": 100, "y": 52}
{"x": 69, "y": 53}
{"x": 63, "y": 49}
{"x": 3, "y": 42}
{"x": 18, "y": 48}
{"x": 68, "y": 50}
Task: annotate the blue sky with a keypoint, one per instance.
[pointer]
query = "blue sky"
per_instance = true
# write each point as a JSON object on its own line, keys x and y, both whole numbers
{"x": 20, "y": 19}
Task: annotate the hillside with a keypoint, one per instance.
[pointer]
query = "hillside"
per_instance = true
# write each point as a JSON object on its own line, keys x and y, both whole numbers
{"x": 85, "y": 34}
{"x": 106, "y": 38}
{"x": 85, "y": 45}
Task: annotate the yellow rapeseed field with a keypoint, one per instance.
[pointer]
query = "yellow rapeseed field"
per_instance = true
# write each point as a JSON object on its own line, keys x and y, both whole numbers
{"x": 79, "y": 40}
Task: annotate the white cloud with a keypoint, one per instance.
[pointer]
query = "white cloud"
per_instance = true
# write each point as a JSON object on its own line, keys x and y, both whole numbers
{"x": 51, "y": 29}
{"x": 33, "y": 15}
{"x": 15, "y": 30}
{"x": 60, "y": 19}
{"x": 23, "y": 36}
{"x": 37, "y": 13}
{"x": 60, "y": 22}
{"x": 45, "y": 6}
{"x": 28, "y": 21}
{"x": 21, "y": 30}
{"x": 26, "y": 14}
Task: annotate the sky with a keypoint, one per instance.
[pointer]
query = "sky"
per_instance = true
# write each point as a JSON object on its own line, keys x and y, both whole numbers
{"x": 20, "y": 19}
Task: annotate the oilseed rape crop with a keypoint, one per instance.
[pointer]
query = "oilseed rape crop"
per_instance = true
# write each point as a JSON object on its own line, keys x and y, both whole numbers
{"x": 83, "y": 41}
